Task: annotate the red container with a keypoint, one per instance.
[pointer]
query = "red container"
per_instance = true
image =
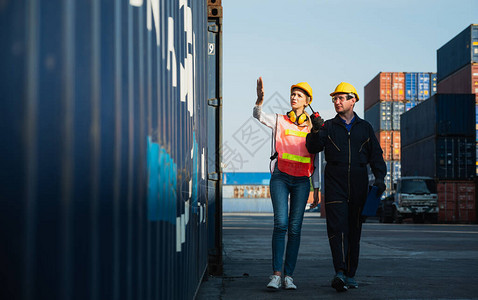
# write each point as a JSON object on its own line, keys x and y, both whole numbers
{"x": 447, "y": 211}
{"x": 390, "y": 143}
{"x": 378, "y": 89}
{"x": 466, "y": 202}
{"x": 463, "y": 81}
{"x": 456, "y": 201}
{"x": 386, "y": 86}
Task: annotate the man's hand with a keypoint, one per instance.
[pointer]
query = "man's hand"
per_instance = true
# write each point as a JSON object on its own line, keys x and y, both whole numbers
{"x": 316, "y": 198}
{"x": 317, "y": 121}
{"x": 381, "y": 187}
{"x": 260, "y": 91}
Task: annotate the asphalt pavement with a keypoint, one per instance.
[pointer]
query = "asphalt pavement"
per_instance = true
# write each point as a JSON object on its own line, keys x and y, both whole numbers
{"x": 397, "y": 261}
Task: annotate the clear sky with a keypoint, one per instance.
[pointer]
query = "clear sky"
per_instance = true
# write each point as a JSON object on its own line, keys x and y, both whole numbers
{"x": 322, "y": 42}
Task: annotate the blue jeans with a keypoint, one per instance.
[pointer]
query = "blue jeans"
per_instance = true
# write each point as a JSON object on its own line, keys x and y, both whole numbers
{"x": 281, "y": 185}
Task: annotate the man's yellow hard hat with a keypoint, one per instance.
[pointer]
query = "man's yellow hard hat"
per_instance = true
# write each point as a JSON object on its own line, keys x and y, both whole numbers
{"x": 346, "y": 88}
{"x": 305, "y": 87}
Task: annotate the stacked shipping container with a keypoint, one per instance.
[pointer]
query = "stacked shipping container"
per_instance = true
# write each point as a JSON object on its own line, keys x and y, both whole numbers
{"x": 437, "y": 141}
{"x": 456, "y": 201}
{"x": 106, "y": 180}
{"x": 383, "y": 104}
{"x": 457, "y": 65}
{"x": 419, "y": 87}
{"x": 387, "y": 96}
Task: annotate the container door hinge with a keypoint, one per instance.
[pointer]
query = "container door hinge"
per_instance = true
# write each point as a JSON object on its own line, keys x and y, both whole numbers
{"x": 216, "y": 102}
{"x": 213, "y": 28}
{"x": 213, "y": 176}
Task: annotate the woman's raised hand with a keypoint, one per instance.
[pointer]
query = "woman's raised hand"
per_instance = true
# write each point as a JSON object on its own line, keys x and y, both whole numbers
{"x": 260, "y": 91}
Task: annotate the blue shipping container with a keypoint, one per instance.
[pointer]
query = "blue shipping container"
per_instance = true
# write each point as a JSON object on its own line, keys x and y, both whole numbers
{"x": 393, "y": 173}
{"x": 411, "y": 86}
{"x": 458, "y": 52}
{"x": 103, "y": 122}
{"x": 379, "y": 116}
{"x": 398, "y": 108}
{"x": 385, "y": 115}
{"x": 449, "y": 158}
{"x": 423, "y": 88}
{"x": 440, "y": 115}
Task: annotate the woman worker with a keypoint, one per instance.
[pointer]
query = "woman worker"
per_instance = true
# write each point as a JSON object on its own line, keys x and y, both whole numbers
{"x": 291, "y": 167}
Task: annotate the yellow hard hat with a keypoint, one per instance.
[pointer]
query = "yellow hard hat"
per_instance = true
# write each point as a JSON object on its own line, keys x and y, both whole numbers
{"x": 346, "y": 88}
{"x": 305, "y": 87}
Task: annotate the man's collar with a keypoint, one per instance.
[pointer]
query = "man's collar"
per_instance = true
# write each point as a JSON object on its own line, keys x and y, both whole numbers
{"x": 339, "y": 120}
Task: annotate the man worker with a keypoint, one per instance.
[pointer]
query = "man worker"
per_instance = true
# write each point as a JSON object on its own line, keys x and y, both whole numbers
{"x": 350, "y": 144}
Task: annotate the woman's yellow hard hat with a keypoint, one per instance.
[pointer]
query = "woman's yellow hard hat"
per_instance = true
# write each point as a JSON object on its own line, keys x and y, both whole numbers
{"x": 305, "y": 87}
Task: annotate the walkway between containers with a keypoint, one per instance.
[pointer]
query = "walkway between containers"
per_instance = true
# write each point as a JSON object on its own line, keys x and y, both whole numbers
{"x": 406, "y": 261}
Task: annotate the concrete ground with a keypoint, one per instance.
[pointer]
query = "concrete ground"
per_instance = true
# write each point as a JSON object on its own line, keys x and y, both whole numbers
{"x": 397, "y": 261}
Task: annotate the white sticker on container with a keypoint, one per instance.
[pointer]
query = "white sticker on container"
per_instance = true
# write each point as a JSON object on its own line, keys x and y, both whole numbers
{"x": 178, "y": 234}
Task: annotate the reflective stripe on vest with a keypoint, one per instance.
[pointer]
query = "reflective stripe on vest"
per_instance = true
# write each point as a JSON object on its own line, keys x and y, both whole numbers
{"x": 295, "y": 133}
{"x": 301, "y": 159}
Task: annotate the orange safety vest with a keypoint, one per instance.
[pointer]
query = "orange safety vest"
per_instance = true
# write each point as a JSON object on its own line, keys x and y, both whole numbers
{"x": 293, "y": 157}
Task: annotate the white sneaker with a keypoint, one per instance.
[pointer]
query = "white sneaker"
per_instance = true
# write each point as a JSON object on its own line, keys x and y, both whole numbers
{"x": 275, "y": 282}
{"x": 289, "y": 283}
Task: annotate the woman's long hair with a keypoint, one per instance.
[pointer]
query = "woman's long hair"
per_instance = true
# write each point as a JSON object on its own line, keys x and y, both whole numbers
{"x": 309, "y": 123}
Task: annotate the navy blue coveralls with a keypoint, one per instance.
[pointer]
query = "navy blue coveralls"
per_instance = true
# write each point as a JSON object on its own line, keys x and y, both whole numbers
{"x": 347, "y": 152}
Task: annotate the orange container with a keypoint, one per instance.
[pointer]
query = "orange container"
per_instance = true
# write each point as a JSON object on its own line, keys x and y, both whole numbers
{"x": 398, "y": 86}
{"x": 386, "y": 86}
{"x": 390, "y": 142}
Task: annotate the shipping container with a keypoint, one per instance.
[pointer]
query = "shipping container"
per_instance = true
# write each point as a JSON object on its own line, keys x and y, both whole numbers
{"x": 411, "y": 86}
{"x": 433, "y": 84}
{"x": 380, "y": 116}
{"x": 385, "y": 115}
{"x": 216, "y": 149}
{"x": 393, "y": 173}
{"x": 441, "y": 115}
{"x": 398, "y": 86}
{"x": 463, "y": 81}
{"x": 423, "y": 86}
{"x": 419, "y": 86}
{"x": 378, "y": 89}
{"x": 449, "y": 158}
{"x": 458, "y": 52}
{"x": 390, "y": 144}
{"x": 104, "y": 119}
{"x": 246, "y": 178}
{"x": 386, "y": 86}
{"x": 456, "y": 201}
{"x": 398, "y": 108}
{"x": 409, "y": 105}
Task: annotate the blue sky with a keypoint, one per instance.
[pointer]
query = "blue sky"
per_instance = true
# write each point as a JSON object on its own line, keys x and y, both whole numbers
{"x": 322, "y": 42}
